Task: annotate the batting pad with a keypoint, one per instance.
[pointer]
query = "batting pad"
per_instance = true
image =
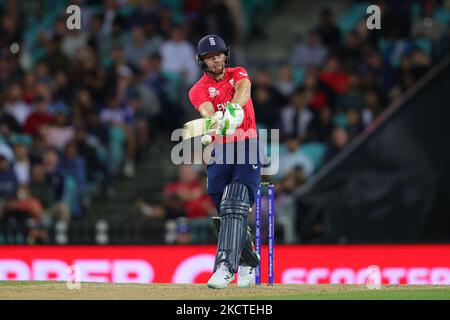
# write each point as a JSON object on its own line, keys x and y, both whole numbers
{"x": 233, "y": 224}
{"x": 248, "y": 255}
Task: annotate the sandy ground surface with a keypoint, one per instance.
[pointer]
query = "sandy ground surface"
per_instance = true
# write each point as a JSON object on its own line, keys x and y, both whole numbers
{"x": 105, "y": 291}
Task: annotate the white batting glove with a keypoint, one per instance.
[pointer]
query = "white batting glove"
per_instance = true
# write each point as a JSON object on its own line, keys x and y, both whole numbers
{"x": 225, "y": 128}
{"x": 232, "y": 119}
{"x": 234, "y": 112}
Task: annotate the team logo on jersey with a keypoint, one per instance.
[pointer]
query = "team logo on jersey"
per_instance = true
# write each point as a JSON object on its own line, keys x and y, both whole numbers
{"x": 231, "y": 82}
{"x": 212, "y": 41}
{"x": 213, "y": 92}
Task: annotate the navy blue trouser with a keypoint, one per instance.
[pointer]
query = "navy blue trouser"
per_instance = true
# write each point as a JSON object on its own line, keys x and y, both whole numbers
{"x": 245, "y": 168}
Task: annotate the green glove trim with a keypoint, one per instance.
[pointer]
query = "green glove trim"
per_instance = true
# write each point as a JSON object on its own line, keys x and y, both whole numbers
{"x": 223, "y": 131}
{"x": 231, "y": 109}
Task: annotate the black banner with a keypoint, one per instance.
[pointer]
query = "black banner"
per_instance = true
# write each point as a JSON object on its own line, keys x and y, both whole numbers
{"x": 392, "y": 184}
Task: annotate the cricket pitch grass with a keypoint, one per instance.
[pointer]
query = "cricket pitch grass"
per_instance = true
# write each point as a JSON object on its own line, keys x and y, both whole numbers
{"x": 51, "y": 290}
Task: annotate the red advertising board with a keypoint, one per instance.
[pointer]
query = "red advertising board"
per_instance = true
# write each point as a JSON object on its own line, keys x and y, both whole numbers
{"x": 398, "y": 264}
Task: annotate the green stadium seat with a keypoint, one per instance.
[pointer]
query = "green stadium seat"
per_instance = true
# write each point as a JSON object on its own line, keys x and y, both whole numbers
{"x": 316, "y": 151}
{"x": 116, "y": 153}
{"x": 350, "y": 18}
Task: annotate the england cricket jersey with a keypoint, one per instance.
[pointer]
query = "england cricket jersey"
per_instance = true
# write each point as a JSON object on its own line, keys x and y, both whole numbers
{"x": 220, "y": 93}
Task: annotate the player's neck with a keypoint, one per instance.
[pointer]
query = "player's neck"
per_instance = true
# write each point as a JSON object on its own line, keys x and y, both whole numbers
{"x": 217, "y": 77}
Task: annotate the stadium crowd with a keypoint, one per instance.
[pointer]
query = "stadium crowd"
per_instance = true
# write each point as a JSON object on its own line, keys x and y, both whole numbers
{"x": 79, "y": 107}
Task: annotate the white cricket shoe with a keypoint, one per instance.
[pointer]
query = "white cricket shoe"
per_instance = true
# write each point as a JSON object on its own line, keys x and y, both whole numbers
{"x": 221, "y": 278}
{"x": 246, "y": 276}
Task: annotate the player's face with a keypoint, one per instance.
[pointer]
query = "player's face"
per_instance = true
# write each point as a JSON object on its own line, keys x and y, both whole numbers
{"x": 215, "y": 62}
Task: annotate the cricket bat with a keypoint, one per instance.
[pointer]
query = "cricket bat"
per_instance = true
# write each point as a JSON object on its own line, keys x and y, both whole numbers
{"x": 199, "y": 127}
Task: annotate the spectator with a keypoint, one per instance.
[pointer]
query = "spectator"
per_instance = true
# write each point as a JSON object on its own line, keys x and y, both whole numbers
{"x": 42, "y": 71}
{"x": 156, "y": 211}
{"x": 74, "y": 43}
{"x": 38, "y": 118}
{"x": 339, "y": 139}
{"x": 83, "y": 106}
{"x": 124, "y": 82}
{"x": 139, "y": 126}
{"x": 97, "y": 136}
{"x": 183, "y": 235}
{"x": 267, "y": 100}
{"x": 140, "y": 47}
{"x": 352, "y": 51}
{"x": 328, "y": 32}
{"x": 322, "y": 125}
{"x": 353, "y": 97}
{"x": 309, "y": 52}
{"x": 88, "y": 71}
{"x": 121, "y": 116}
{"x": 372, "y": 107}
{"x": 48, "y": 173}
{"x": 73, "y": 167}
{"x": 188, "y": 186}
{"x": 25, "y": 206}
{"x": 10, "y": 70}
{"x": 216, "y": 18}
{"x": 22, "y": 164}
{"x": 8, "y": 124}
{"x": 97, "y": 132}
{"x": 415, "y": 63}
{"x": 173, "y": 206}
{"x": 57, "y": 60}
{"x": 110, "y": 17}
{"x": 39, "y": 188}
{"x": 8, "y": 179}
{"x": 112, "y": 38}
{"x": 59, "y": 133}
{"x": 178, "y": 55}
{"x": 285, "y": 84}
{"x": 90, "y": 156}
{"x": 62, "y": 92}
{"x": 296, "y": 118}
{"x": 155, "y": 92}
{"x": 203, "y": 206}
{"x": 29, "y": 87}
{"x": 285, "y": 206}
{"x": 395, "y": 19}
{"x": 15, "y": 105}
{"x": 334, "y": 76}
{"x": 354, "y": 124}
{"x": 146, "y": 12}
{"x": 53, "y": 174}
{"x": 95, "y": 32}
{"x": 321, "y": 94}
{"x": 10, "y": 28}
{"x": 293, "y": 159}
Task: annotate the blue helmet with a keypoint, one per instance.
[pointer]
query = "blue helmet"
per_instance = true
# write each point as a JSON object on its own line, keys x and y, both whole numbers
{"x": 208, "y": 44}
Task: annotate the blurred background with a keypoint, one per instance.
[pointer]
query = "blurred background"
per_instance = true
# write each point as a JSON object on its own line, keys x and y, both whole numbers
{"x": 86, "y": 117}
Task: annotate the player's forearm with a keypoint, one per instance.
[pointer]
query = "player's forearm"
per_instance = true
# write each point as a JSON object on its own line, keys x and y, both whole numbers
{"x": 242, "y": 93}
{"x": 206, "y": 110}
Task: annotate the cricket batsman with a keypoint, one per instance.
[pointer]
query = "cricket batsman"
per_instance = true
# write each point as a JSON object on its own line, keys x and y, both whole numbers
{"x": 223, "y": 93}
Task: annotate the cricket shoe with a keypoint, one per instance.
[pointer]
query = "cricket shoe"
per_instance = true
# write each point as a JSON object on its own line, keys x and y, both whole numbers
{"x": 221, "y": 278}
{"x": 246, "y": 276}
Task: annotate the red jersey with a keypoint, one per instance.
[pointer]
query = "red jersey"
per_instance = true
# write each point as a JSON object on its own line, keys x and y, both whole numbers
{"x": 220, "y": 93}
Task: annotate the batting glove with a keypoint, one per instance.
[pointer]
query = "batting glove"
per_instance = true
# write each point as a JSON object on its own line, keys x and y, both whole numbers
{"x": 232, "y": 119}
{"x": 234, "y": 112}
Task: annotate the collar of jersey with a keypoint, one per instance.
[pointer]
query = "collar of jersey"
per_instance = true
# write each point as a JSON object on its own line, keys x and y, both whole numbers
{"x": 212, "y": 80}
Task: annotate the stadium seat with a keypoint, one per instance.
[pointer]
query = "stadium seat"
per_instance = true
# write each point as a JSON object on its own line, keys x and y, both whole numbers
{"x": 316, "y": 151}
